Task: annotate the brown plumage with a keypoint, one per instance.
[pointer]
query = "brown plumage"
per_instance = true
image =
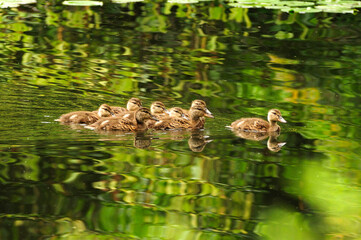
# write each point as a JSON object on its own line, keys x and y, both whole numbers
{"x": 196, "y": 103}
{"x": 159, "y": 110}
{"x": 124, "y": 124}
{"x": 171, "y": 121}
{"x": 195, "y": 121}
{"x": 260, "y": 125}
{"x": 133, "y": 104}
{"x": 199, "y": 103}
{"x": 86, "y": 117}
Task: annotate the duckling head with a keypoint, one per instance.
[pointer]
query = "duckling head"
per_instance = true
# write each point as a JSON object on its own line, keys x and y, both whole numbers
{"x": 177, "y": 113}
{"x": 198, "y": 102}
{"x": 158, "y": 108}
{"x": 143, "y": 114}
{"x": 199, "y": 111}
{"x": 133, "y": 104}
{"x": 201, "y": 103}
{"x": 105, "y": 111}
{"x": 275, "y": 115}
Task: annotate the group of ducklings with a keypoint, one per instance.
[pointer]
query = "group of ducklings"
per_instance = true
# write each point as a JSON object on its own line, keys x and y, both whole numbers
{"x": 137, "y": 118}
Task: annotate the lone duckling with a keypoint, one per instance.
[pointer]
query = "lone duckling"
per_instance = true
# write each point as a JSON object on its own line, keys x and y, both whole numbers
{"x": 260, "y": 125}
{"x": 86, "y": 117}
{"x": 124, "y": 124}
{"x": 195, "y": 122}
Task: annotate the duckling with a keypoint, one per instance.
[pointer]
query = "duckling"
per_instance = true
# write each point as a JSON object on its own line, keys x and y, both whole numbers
{"x": 197, "y": 114}
{"x": 124, "y": 124}
{"x": 159, "y": 110}
{"x": 260, "y": 125}
{"x": 195, "y": 122}
{"x": 176, "y": 112}
{"x": 175, "y": 117}
{"x": 132, "y": 105}
{"x": 86, "y": 117}
{"x": 195, "y": 103}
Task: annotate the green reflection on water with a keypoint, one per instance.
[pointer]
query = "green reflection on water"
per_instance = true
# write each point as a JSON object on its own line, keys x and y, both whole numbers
{"x": 68, "y": 182}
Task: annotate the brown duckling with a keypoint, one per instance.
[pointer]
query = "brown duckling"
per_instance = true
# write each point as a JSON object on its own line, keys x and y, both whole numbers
{"x": 195, "y": 122}
{"x": 175, "y": 117}
{"x": 176, "y": 112}
{"x": 195, "y": 103}
{"x": 197, "y": 114}
{"x": 157, "y": 109}
{"x": 133, "y": 104}
{"x": 124, "y": 124}
{"x": 260, "y": 125}
{"x": 86, "y": 117}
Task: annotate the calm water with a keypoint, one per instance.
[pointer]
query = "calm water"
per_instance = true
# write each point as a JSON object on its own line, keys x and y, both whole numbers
{"x": 67, "y": 182}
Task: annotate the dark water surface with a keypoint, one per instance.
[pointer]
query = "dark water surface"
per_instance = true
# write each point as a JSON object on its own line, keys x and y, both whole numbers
{"x": 67, "y": 182}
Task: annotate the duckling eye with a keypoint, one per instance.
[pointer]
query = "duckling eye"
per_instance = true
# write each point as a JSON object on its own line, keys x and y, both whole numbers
{"x": 274, "y": 113}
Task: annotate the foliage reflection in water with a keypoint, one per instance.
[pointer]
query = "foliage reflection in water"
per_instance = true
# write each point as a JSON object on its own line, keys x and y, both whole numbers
{"x": 64, "y": 183}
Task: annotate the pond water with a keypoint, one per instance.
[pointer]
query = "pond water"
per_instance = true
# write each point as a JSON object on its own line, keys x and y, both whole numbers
{"x": 67, "y": 182}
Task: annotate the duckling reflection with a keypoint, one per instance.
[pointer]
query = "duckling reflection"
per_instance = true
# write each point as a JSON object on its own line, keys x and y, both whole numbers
{"x": 197, "y": 142}
{"x": 140, "y": 139}
{"x": 272, "y": 143}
